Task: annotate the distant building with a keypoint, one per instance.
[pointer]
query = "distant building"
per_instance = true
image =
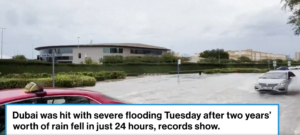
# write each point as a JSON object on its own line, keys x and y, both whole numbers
{"x": 288, "y": 57}
{"x": 297, "y": 55}
{"x": 196, "y": 54}
{"x": 77, "y": 53}
{"x": 176, "y": 54}
{"x": 195, "y": 58}
{"x": 254, "y": 55}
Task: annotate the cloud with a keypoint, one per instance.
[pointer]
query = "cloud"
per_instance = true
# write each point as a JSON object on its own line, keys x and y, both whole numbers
{"x": 6, "y": 57}
{"x": 188, "y": 26}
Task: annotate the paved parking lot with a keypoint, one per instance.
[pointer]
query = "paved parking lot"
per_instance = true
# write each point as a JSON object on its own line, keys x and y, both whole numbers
{"x": 192, "y": 88}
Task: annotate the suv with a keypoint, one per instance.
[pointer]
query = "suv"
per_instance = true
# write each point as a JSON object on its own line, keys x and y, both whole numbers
{"x": 274, "y": 81}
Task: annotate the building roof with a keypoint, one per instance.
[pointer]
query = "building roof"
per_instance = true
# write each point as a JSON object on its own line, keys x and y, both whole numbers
{"x": 125, "y": 45}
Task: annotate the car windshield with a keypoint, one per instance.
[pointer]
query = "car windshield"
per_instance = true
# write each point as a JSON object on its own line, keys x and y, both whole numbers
{"x": 274, "y": 76}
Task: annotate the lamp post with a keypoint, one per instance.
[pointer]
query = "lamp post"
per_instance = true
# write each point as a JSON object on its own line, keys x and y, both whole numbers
{"x": 2, "y": 43}
{"x": 78, "y": 42}
{"x": 219, "y": 55}
{"x": 78, "y": 50}
{"x": 53, "y": 73}
{"x": 32, "y": 52}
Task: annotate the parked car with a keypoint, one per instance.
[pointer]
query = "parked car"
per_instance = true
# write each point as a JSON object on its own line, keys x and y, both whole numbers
{"x": 35, "y": 94}
{"x": 294, "y": 68}
{"x": 282, "y": 68}
{"x": 276, "y": 81}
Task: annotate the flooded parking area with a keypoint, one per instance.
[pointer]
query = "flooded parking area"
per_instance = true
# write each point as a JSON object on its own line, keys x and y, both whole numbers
{"x": 195, "y": 88}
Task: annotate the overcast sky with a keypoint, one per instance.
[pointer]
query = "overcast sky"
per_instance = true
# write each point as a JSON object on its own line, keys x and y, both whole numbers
{"x": 186, "y": 26}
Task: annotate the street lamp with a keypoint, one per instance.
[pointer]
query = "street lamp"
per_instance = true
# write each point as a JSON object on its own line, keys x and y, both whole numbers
{"x": 2, "y": 43}
{"x": 219, "y": 54}
{"x": 53, "y": 68}
{"x": 78, "y": 42}
{"x": 32, "y": 52}
{"x": 78, "y": 49}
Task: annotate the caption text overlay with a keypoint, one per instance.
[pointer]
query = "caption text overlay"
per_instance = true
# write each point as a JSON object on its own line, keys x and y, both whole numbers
{"x": 141, "y": 119}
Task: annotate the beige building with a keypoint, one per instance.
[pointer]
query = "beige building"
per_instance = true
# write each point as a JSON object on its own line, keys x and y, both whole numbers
{"x": 254, "y": 55}
{"x": 77, "y": 53}
{"x": 297, "y": 55}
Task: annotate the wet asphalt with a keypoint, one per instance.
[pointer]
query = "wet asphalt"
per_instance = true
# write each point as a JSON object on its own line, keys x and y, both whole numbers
{"x": 193, "y": 88}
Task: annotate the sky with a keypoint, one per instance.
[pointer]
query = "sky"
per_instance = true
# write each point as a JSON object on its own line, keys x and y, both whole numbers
{"x": 185, "y": 26}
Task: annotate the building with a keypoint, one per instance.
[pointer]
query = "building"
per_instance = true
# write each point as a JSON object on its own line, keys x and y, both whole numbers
{"x": 288, "y": 57}
{"x": 77, "y": 53}
{"x": 177, "y": 54}
{"x": 195, "y": 58}
{"x": 255, "y": 55}
{"x": 297, "y": 56}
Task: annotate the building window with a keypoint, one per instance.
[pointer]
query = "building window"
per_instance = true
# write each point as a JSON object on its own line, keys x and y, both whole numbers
{"x": 57, "y": 51}
{"x": 145, "y": 51}
{"x": 64, "y": 58}
{"x": 112, "y": 50}
{"x": 106, "y": 50}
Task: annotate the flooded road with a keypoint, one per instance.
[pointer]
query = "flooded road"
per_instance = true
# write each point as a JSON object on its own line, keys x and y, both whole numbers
{"x": 193, "y": 88}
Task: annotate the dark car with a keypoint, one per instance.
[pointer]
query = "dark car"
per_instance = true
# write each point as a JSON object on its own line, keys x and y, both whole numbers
{"x": 283, "y": 68}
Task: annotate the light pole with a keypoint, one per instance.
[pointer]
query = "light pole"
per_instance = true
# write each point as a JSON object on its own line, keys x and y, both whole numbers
{"x": 32, "y": 51}
{"x": 53, "y": 70}
{"x": 78, "y": 42}
{"x": 219, "y": 55}
{"x": 2, "y": 43}
{"x": 78, "y": 49}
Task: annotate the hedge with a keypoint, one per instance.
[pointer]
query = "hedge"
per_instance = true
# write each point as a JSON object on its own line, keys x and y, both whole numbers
{"x": 132, "y": 74}
{"x": 186, "y": 72}
{"x": 60, "y": 81}
{"x": 100, "y": 76}
{"x": 235, "y": 70}
{"x": 17, "y": 66}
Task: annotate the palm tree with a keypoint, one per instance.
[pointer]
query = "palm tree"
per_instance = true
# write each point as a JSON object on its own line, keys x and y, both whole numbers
{"x": 291, "y": 4}
{"x": 294, "y": 19}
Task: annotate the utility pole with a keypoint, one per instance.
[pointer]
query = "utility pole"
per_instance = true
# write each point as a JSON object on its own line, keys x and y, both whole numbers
{"x": 32, "y": 52}
{"x": 78, "y": 50}
{"x": 2, "y": 43}
{"x": 219, "y": 55}
{"x": 269, "y": 64}
{"x": 53, "y": 74}
{"x": 78, "y": 42}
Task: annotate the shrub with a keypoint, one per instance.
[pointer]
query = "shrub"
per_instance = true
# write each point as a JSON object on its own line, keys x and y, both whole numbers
{"x": 89, "y": 61}
{"x": 102, "y": 74}
{"x": 19, "y": 57}
{"x": 132, "y": 74}
{"x": 235, "y": 70}
{"x": 27, "y": 75}
{"x": 60, "y": 81}
{"x": 99, "y": 78}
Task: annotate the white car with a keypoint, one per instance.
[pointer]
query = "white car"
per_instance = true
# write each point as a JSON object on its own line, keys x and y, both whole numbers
{"x": 294, "y": 68}
{"x": 274, "y": 81}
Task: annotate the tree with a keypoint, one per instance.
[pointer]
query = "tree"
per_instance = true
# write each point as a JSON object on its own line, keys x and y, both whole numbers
{"x": 294, "y": 19}
{"x": 169, "y": 58}
{"x": 215, "y": 53}
{"x": 19, "y": 57}
{"x": 279, "y": 60}
{"x": 184, "y": 59}
{"x": 244, "y": 59}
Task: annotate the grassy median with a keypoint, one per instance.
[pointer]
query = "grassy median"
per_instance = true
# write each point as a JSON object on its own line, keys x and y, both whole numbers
{"x": 70, "y": 79}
